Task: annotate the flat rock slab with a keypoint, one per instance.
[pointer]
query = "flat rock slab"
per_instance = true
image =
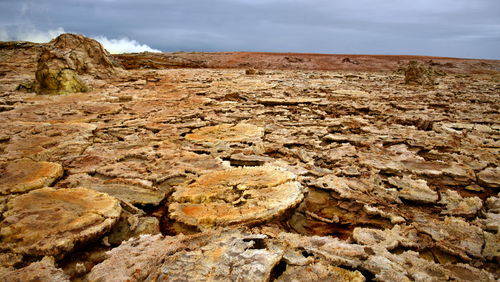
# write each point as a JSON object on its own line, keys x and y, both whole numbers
{"x": 236, "y": 196}
{"x": 132, "y": 194}
{"x": 51, "y": 222}
{"x": 241, "y": 132}
{"x": 287, "y": 101}
{"x": 24, "y": 175}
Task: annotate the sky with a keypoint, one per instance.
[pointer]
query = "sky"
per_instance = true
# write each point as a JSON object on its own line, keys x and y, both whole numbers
{"x": 451, "y": 28}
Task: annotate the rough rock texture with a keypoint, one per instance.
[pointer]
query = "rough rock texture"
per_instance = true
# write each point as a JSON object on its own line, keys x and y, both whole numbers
{"x": 227, "y": 133}
{"x": 65, "y": 58}
{"x": 243, "y": 255}
{"x": 24, "y": 175}
{"x": 399, "y": 182}
{"x": 51, "y": 222}
{"x": 418, "y": 73}
{"x": 43, "y": 270}
{"x": 236, "y": 196}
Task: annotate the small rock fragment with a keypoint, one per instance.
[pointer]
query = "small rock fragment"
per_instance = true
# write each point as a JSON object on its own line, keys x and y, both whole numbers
{"x": 456, "y": 205}
{"x": 414, "y": 190}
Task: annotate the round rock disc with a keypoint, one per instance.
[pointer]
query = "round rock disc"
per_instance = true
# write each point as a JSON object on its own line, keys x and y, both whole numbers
{"x": 52, "y": 221}
{"x": 24, "y": 175}
{"x": 236, "y": 196}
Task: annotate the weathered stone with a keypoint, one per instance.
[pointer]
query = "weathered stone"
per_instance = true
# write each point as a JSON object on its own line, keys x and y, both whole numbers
{"x": 454, "y": 235}
{"x": 130, "y": 226}
{"x": 491, "y": 248}
{"x": 405, "y": 236}
{"x": 236, "y": 196}
{"x": 456, "y": 205}
{"x": 227, "y": 133}
{"x": 419, "y": 74}
{"x": 68, "y": 56}
{"x": 248, "y": 160}
{"x": 24, "y": 175}
{"x": 490, "y": 177}
{"x": 319, "y": 272}
{"x": 51, "y": 222}
{"x": 43, "y": 270}
{"x": 202, "y": 257}
{"x": 414, "y": 190}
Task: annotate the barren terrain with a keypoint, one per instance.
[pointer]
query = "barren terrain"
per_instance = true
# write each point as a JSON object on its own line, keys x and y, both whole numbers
{"x": 250, "y": 167}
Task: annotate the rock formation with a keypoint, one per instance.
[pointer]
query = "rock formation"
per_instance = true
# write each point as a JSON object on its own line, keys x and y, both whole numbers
{"x": 67, "y": 57}
{"x": 212, "y": 174}
{"x": 419, "y": 74}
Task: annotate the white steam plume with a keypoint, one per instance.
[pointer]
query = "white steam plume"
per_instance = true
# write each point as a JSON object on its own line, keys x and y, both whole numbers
{"x": 123, "y": 45}
{"x": 114, "y": 46}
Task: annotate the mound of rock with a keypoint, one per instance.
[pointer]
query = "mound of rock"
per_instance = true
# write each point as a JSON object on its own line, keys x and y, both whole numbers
{"x": 418, "y": 74}
{"x": 67, "y": 57}
{"x": 52, "y": 222}
{"x": 236, "y": 196}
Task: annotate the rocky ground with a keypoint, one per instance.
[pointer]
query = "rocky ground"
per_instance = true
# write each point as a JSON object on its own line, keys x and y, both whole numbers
{"x": 225, "y": 173}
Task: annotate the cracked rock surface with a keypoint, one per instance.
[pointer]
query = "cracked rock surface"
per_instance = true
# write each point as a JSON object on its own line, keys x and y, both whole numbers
{"x": 236, "y": 196}
{"x": 50, "y": 221}
{"x": 312, "y": 168}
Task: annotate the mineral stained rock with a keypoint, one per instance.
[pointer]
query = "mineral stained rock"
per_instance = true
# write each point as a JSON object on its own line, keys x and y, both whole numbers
{"x": 236, "y": 196}
{"x": 51, "y": 221}
{"x": 261, "y": 256}
{"x": 24, "y": 175}
{"x": 376, "y": 178}
{"x": 65, "y": 58}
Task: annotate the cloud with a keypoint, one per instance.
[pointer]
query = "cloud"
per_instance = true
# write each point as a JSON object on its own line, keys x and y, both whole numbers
{"x": 124, "y": 45}
{"x": 31, "y": 35}
{"x": 114, "y": 46}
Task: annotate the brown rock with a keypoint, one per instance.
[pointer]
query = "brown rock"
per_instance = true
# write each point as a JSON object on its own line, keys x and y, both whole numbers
{"x": 51, "y": 222}
{"x": 414, "y": 190}
{"x": 419, "y": 74}
{"x": 236, "y": 196}
{"x": 319, "y": 272}
{"x": 456, "y": 205}
{"x": 68, "y": 56}
{"x": 490, "y": 177}
{"x": 210, "y": 256}
{"x": 227, "y": 133}
{"x": 43, "y": 270}
{"x": 24, "y": 175}
{"x": 455, "y": 236}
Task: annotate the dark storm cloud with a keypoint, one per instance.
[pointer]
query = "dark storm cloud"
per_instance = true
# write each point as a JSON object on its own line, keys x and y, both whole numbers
{"x": 461, "y": 28}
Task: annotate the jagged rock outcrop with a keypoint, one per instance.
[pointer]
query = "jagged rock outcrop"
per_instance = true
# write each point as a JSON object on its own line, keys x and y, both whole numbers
{"x": 67, "y": 57}
{"x": 419, "y": 74}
